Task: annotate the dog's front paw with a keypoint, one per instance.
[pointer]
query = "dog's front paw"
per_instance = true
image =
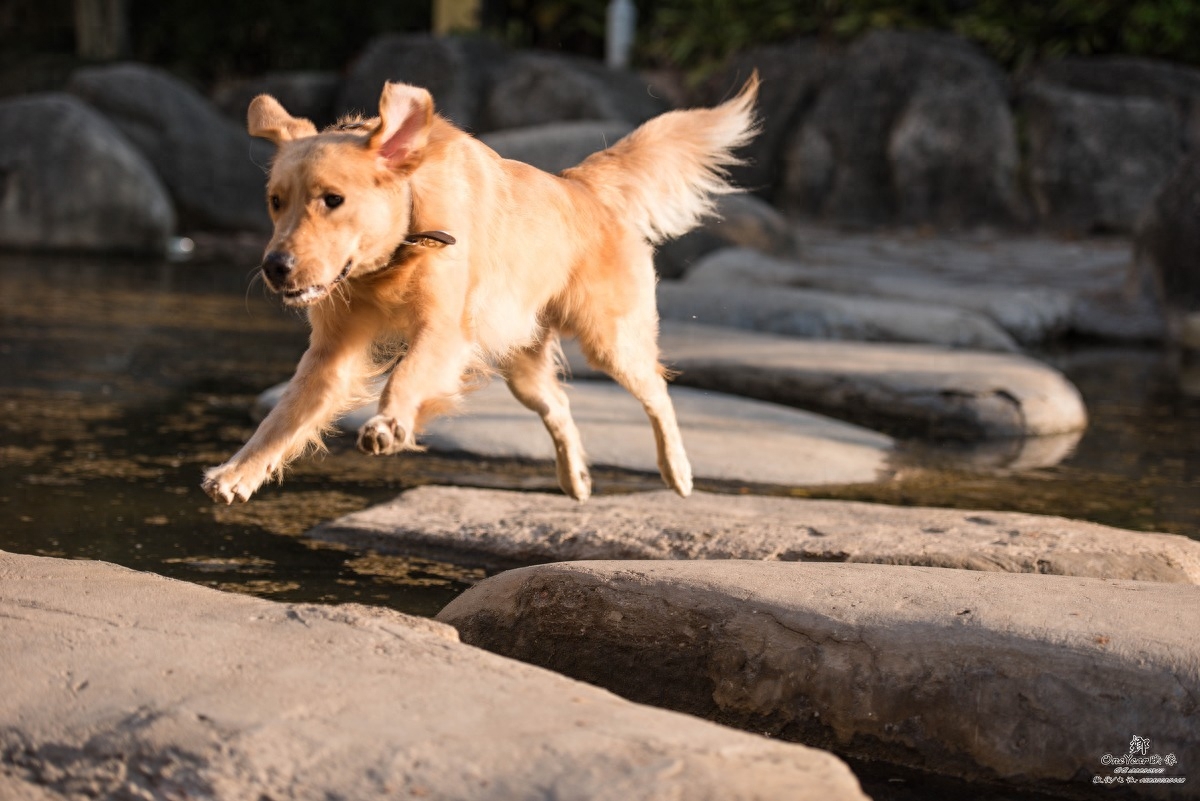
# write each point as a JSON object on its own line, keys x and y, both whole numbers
{"x": 230, "y": 482}
{"x": 381, "y": 435}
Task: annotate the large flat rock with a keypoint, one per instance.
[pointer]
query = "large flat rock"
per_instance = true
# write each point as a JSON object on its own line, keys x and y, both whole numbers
{"x": 117, "y": 684}
{"x": 907, "y": 390}
{"x": 819, "y": 314}
{"x": 727, "y": 438}
{"x": 1023, "y": 679}
{"x": 1036, "y": 288}
{"x": 499, "y": 529}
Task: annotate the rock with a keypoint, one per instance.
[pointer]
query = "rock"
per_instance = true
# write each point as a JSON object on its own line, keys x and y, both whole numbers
{"x": 1095, "y": 161}
{"x": 740, "y": 221}
{"x": 304, "y": 93}
{"x": 70, "y": 180}
{"x": 792, "y": 74}
{"x": 818, "y": 314}
{"x": 907, "y": 390}
{"x": 1125, "y": 76}
{"x": 727, "y": 438}
{"x": 556, "y": 146}
{"x": 1023, "y": 679}
{"x": 494, "y": 529}
{"x": 121, "y": 684}
{"x": 539, "y": 88}
{"x": 456, "y": 70}
{"x": 1167, "y": 241}
{"x": 1000, "y": 282}
{"x": 212, "y": 168}
{"x": 909, "y": 127}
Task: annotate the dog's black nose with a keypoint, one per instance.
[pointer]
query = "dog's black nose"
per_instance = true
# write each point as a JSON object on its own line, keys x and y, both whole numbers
{"x": 277, "y": 265}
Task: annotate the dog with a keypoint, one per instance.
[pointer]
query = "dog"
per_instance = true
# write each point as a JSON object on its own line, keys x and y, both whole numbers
{"x": 404, "y": 228}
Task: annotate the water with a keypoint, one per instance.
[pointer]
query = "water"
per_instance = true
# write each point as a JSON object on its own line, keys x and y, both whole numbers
{"x": 122, "y": 380}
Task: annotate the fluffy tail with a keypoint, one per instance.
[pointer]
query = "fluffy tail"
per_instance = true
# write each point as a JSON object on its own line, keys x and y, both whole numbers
{"x": 667, "y": 174}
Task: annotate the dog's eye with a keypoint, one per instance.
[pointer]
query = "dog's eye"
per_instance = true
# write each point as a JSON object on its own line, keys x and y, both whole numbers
{"x": 275, "y": 202}
{"x": 332, "y": 201}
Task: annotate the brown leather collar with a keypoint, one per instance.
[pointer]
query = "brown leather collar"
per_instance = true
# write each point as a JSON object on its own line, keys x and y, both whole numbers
{"x": 430, "y": 239}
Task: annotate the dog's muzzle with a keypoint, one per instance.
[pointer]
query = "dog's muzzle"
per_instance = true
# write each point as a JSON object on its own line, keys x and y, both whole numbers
{"x": 276, "y": 267}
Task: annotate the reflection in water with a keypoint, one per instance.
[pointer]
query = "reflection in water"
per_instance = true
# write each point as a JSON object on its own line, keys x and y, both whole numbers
{"x": 123, "y": 380}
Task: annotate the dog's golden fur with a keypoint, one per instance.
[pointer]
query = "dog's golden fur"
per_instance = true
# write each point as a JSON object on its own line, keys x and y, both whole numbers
{"x": 536, "y": 256}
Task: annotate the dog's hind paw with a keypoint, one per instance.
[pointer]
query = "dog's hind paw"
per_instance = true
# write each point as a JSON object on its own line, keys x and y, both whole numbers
{"x": 381, "y": 435}
{"x": 226, "y": 484}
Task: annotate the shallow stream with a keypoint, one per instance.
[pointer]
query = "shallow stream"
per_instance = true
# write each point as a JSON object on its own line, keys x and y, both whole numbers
{"x": 122, "y": 380}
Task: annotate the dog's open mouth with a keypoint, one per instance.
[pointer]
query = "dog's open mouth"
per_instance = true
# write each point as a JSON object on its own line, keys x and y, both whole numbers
{"x": 311, "y": 294}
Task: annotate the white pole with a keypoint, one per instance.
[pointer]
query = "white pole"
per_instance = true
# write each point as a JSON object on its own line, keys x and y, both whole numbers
{"x": 622, "y": 24}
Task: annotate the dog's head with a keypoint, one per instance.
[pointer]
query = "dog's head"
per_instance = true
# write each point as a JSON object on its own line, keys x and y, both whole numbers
{"x": 340, "y": 199}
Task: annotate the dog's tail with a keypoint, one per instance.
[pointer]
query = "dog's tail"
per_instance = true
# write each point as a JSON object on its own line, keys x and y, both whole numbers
{"x": 667, "y": 173}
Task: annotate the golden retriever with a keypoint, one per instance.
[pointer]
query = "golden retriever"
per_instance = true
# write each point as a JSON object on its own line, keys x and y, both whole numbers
{"x": 403, "y": 228}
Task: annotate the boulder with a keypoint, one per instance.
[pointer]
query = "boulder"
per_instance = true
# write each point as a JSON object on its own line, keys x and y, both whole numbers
{"x": 1096, "y": 160}
{"x": 741, "y": 220}
{"x": 1127, "y": 76}
{"x": 820, "y": 314}
{"x": 456, "y": 70}
{"x": 70, "y": 180}
{"x": 792, "y": 74}
{"x": 1167, "y": 244}
{"x": 540, "y": 88}
{"x": 304, "y": 93}
{"x": 907, "y": 390}
{"x": 1020, "y": 679}
{"x": 909, "y": 128}
{"x": 126, "y": 685}
{"x": 556, "y": 146}
{"x": 497, "y": 530}
{"x": 212, "y": 168}
{"x": 727, "y": 438}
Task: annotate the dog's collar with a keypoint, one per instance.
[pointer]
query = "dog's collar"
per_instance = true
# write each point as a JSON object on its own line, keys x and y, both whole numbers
{"x": 430, "y": 239}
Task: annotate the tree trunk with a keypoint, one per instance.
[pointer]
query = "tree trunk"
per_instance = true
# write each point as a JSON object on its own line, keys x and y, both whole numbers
{"x": 101, "y": 29}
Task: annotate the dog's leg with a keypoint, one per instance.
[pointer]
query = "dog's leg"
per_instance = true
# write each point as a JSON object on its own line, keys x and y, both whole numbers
{"x": 328, "y": 376}
{"x": 428, "y": 379}
{"x": 532, "y": 378}
{"x": 628, "y": 351}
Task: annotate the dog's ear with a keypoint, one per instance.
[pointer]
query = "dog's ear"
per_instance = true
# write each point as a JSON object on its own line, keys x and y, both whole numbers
{"x": 267, "y": 119}
{"x": 405, "y": 116}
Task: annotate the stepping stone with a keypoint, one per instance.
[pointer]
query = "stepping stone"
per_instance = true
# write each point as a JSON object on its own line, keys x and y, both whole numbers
{"x": 818, "y": 314}
{"x": 1030, "y": 314}
{"x": 496, "y": 529}
{"x": 120, "y": 684}
{"x": 558, "y": 145}
{"x": 906, "y": 390}
{"x": 1024, "y": 679}
{"x": 727, "y": 438}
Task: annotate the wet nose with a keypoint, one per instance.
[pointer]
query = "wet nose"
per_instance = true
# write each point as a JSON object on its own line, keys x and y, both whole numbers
{"x": 277, "y": 265}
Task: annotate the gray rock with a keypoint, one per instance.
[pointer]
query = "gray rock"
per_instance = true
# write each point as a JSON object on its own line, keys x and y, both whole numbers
{"x": 909, "y": 127}
{"x": 70, "y": 180}
{"x": 819, "y": 314}
{"x": 1029, "y": 314}
{"x": 1167, "y": 244}
{"x": 792, "y": 74}
{"x": 727, "y": 438}
{"x": 457, "y": 71}
{"x": 1095, "y": 161}
{"x": 212, "y": 168}
{"x": 539, "y": 88}
{"x": 1023, "y": 679}
{"x": 741, "y": 221}
{"x": 556, "y": 146}
{"x": 1125, "y": 76}
{"x": 908, "y": 390}
{"x": 304, "y": 93}
{"x": 126, "y": 685}
{"x": 495, "y": 529}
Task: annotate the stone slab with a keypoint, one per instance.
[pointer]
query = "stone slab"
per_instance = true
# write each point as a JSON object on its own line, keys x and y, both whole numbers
{"x": 119, "y": 684}
{"x": 727, "y": 438}
{"x": 498, "y": 529}
{"x": 819, "y": 314}
{"x": 1021, "y": 679}
{"x": 906, "y": 390}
